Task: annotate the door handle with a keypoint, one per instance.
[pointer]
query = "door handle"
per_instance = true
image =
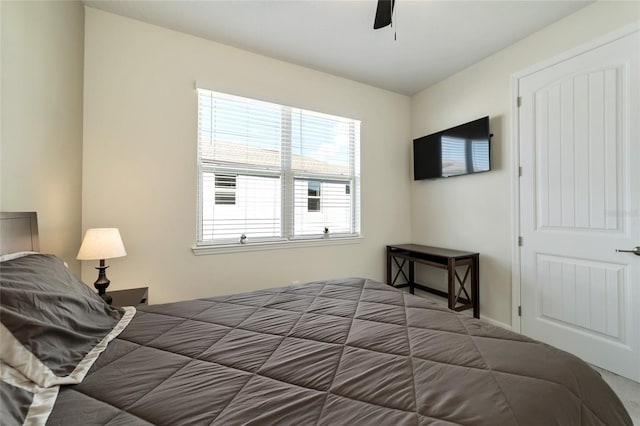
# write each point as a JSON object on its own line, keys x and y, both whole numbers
{"x": 635, "y": 251}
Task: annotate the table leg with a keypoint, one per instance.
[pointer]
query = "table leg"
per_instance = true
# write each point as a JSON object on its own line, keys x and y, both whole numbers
{"x": 411, "y": 277}
{"x": 389, "y": 266}
{"x": 451, "y": 282}
{"x": 475, "y": 286}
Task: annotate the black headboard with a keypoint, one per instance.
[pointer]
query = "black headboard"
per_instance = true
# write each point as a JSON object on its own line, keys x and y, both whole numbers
{"x": 18, "y": 232}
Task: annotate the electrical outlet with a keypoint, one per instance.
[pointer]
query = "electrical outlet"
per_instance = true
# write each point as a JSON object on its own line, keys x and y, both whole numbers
{"x": 294, "y": 282}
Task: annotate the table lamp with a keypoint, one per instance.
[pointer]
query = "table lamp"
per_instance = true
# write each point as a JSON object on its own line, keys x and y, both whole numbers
{"x": 100, "y": 244}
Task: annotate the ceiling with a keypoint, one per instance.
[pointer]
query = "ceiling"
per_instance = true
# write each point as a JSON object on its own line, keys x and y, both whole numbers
{"x": 430, "y": 39}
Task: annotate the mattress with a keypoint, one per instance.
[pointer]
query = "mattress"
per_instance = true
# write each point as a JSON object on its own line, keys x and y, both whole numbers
{"x": 336, "y": 352}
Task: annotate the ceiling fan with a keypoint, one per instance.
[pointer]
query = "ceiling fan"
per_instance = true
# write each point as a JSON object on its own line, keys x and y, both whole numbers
{"x": 384, "y": 13}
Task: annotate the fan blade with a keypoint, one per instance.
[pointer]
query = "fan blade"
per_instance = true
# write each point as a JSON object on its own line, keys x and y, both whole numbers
{"x": 383, "y": 13}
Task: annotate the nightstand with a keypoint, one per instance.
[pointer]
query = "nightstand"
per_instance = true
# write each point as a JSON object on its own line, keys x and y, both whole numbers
{"x": 130, "y": 297}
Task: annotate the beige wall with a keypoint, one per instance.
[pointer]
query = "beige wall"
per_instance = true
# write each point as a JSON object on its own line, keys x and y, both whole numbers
{"x": 41, "y": 136}
{"x": 140, "y": 159}
{"x": 474, "y": 212}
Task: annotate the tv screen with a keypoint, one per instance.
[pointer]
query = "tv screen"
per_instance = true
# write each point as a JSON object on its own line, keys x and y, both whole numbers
{"x": 456, "y": 151}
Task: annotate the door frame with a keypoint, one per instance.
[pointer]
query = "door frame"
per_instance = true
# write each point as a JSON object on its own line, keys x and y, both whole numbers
{"x": 516, "y": 283}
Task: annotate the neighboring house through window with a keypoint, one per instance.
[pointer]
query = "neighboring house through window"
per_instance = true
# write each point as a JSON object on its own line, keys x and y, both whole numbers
{"x": 225, "y": 187}
{"x": 273, "y": 172}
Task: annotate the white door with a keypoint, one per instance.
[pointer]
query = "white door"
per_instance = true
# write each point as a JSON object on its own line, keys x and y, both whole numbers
{"x": 579, "y": 136}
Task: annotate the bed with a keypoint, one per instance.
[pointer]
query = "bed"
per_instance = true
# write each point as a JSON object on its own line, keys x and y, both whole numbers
{"x": 351, "y": 351}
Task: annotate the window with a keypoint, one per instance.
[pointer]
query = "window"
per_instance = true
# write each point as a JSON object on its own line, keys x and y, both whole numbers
{"x": 273, "y": 172}
{"x": 313, "y": 199}
{"x": 225, "y": 189}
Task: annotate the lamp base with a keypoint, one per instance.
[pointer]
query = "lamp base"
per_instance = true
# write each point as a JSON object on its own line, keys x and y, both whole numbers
{"x": 103, "y": 282}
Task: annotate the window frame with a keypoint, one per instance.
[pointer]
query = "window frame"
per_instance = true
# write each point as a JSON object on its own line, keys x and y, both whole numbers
{"x": 288, "y": 177}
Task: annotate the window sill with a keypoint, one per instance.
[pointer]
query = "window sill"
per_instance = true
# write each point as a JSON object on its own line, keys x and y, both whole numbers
{"x": 273, "y": 245}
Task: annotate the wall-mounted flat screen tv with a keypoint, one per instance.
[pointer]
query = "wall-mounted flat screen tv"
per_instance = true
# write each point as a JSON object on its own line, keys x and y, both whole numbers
{"x": 457, "y": 151}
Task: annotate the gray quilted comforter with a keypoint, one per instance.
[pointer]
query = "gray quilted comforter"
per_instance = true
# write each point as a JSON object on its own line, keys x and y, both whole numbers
{"x": 345, "y": 352}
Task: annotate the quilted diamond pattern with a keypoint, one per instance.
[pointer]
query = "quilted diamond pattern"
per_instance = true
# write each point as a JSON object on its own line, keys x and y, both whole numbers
{"x": 379, "y": 337}
{"x": 330, "y": 306}
{"x": 215, "y": 384}
{"x": 228, "y": 314}
{"x": 375, "y": 377}
{"x": 304, "y": 363}
{"x": 244, "y": 350}
{"x": 323, "y": 328}
{"x": 335, "y": 352}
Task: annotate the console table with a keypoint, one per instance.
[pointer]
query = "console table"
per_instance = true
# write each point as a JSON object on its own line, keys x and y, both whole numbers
{"x": 458, "y": 295}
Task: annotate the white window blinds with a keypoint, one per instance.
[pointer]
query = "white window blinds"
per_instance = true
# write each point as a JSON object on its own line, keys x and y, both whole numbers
{"x": 272, "y": 172}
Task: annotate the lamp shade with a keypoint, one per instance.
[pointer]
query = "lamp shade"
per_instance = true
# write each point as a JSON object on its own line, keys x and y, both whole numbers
{"x": 101, "y": 243}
